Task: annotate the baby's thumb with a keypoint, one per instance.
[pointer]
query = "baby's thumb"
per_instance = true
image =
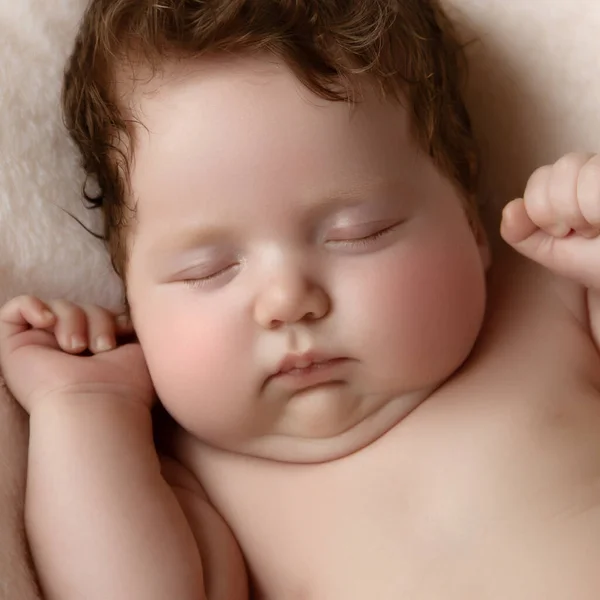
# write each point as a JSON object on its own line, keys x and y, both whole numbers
{"x": 516, "y": 225}
{"x": 519, "y": 231}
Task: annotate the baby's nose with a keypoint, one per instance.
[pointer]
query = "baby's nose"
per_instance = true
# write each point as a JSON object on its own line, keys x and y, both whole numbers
{"x": 289, "y": 299}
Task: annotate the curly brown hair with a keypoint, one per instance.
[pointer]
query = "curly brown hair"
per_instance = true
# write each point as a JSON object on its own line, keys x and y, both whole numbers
{"x": 407, "y": 48}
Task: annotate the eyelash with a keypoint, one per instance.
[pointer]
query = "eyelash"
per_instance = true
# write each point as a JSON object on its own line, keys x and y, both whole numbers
{"x": 368, "y": 238}
{"x": 200, "y": 282}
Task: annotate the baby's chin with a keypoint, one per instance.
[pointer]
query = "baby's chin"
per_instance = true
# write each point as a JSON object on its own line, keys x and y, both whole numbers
{"x": 320, "y": 428}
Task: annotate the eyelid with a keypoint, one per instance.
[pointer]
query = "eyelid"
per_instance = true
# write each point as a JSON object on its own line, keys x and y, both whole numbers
{"x": 201, "y": 281}
{"x": 364, "y": 231}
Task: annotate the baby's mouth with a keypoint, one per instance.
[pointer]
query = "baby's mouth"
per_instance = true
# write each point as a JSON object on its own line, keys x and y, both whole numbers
{"x": 300, "y": 373}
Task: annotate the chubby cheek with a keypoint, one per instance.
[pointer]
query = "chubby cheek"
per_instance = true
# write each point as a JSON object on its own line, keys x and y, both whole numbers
{"x": 422, "y": 309}
{"x": 196, "y": 364}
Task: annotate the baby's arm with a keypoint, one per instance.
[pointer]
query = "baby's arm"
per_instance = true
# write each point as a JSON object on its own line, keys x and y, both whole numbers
{"x": 16, "y": 576}
{"x": 222, "y": 561}
{"x": 97, "y": 498}
{"x": 101, "y": 520}
{"x": 557, "y": 224}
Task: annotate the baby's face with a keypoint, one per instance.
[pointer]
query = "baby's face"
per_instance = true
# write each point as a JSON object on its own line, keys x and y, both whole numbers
{"x": 301, "y": 276}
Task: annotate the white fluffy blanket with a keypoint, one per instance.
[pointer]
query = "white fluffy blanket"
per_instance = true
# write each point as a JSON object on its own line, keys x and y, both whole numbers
{"x": 42, "y": 249}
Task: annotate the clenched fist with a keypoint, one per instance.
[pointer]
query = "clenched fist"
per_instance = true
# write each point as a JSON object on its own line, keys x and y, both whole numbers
{"x": 557, "y": 222}
{"x": 62, "y": 349}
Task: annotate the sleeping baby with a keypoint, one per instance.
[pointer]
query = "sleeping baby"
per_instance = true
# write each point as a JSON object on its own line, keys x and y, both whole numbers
{"x": 359, "y": 402}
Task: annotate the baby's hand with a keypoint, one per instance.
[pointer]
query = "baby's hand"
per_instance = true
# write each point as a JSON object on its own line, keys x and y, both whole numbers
{"x": 557, "y": 222}
{"x": 41, "y": 346}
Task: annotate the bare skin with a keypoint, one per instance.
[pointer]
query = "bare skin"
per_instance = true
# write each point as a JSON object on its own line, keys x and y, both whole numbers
{"x": 489, "y": 490}
{"x": 450, "y": 454}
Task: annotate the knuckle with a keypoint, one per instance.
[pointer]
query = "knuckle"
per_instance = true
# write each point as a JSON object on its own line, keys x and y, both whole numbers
{"x": 569, "y": 163}
{"x": 61, "y": 304}
{"x": 589, "y": 176}
{"x": 67, "y": 311}
{"x": 8, "y": 305}
{"x": 541, "y": 174}
{"x": 588, "y": 192}
{"x": 16, "y": 302}
{"x": 23, "y": 300}
{"x": 536, "y": 200}
{"x": 563, "y": 181}
{"x": 537, "y": 185}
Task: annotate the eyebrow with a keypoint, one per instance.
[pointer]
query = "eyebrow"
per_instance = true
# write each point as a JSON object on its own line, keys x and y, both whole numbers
{"x": 189, "y": 238}
{"x": 349, "y": 196}
{"x": 354, "y": 193}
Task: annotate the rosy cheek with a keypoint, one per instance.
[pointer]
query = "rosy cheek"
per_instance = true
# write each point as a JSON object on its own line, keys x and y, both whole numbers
{"x": 447, "y": 299}
{"x": 419, "y": 309}
{"x": 194, "y": 362}
{"x": 191, "y": 346}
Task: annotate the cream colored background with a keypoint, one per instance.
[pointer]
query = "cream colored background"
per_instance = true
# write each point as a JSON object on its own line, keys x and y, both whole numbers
{"x": 534, "y": 92}
{"x": 534, "y": 86}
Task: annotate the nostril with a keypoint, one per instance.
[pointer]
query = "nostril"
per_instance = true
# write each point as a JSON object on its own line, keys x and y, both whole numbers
{"x": 275, "y": 324}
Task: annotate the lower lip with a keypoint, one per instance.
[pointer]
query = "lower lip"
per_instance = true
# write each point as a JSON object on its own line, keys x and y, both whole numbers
{"x": 315, "y": 374}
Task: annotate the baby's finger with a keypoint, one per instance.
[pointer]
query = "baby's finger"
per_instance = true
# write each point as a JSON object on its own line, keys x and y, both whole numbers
{"x": 516, "y": 224}
{"x": 588, "y": 192}
{"x": 101, "y": 327}
{"x": 22, "y": 313}
{"x": 563, "y": 195}
{"x": 70, "y": 329}
{"x": 123, "y": 323}
{"x": 538, "y": 205}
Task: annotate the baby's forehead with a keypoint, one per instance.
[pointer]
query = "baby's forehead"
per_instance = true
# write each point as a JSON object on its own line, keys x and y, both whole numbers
{"x": 214, "y": 131}
{"x": 229, "y": 82}
{"x": 139, "y": 83}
